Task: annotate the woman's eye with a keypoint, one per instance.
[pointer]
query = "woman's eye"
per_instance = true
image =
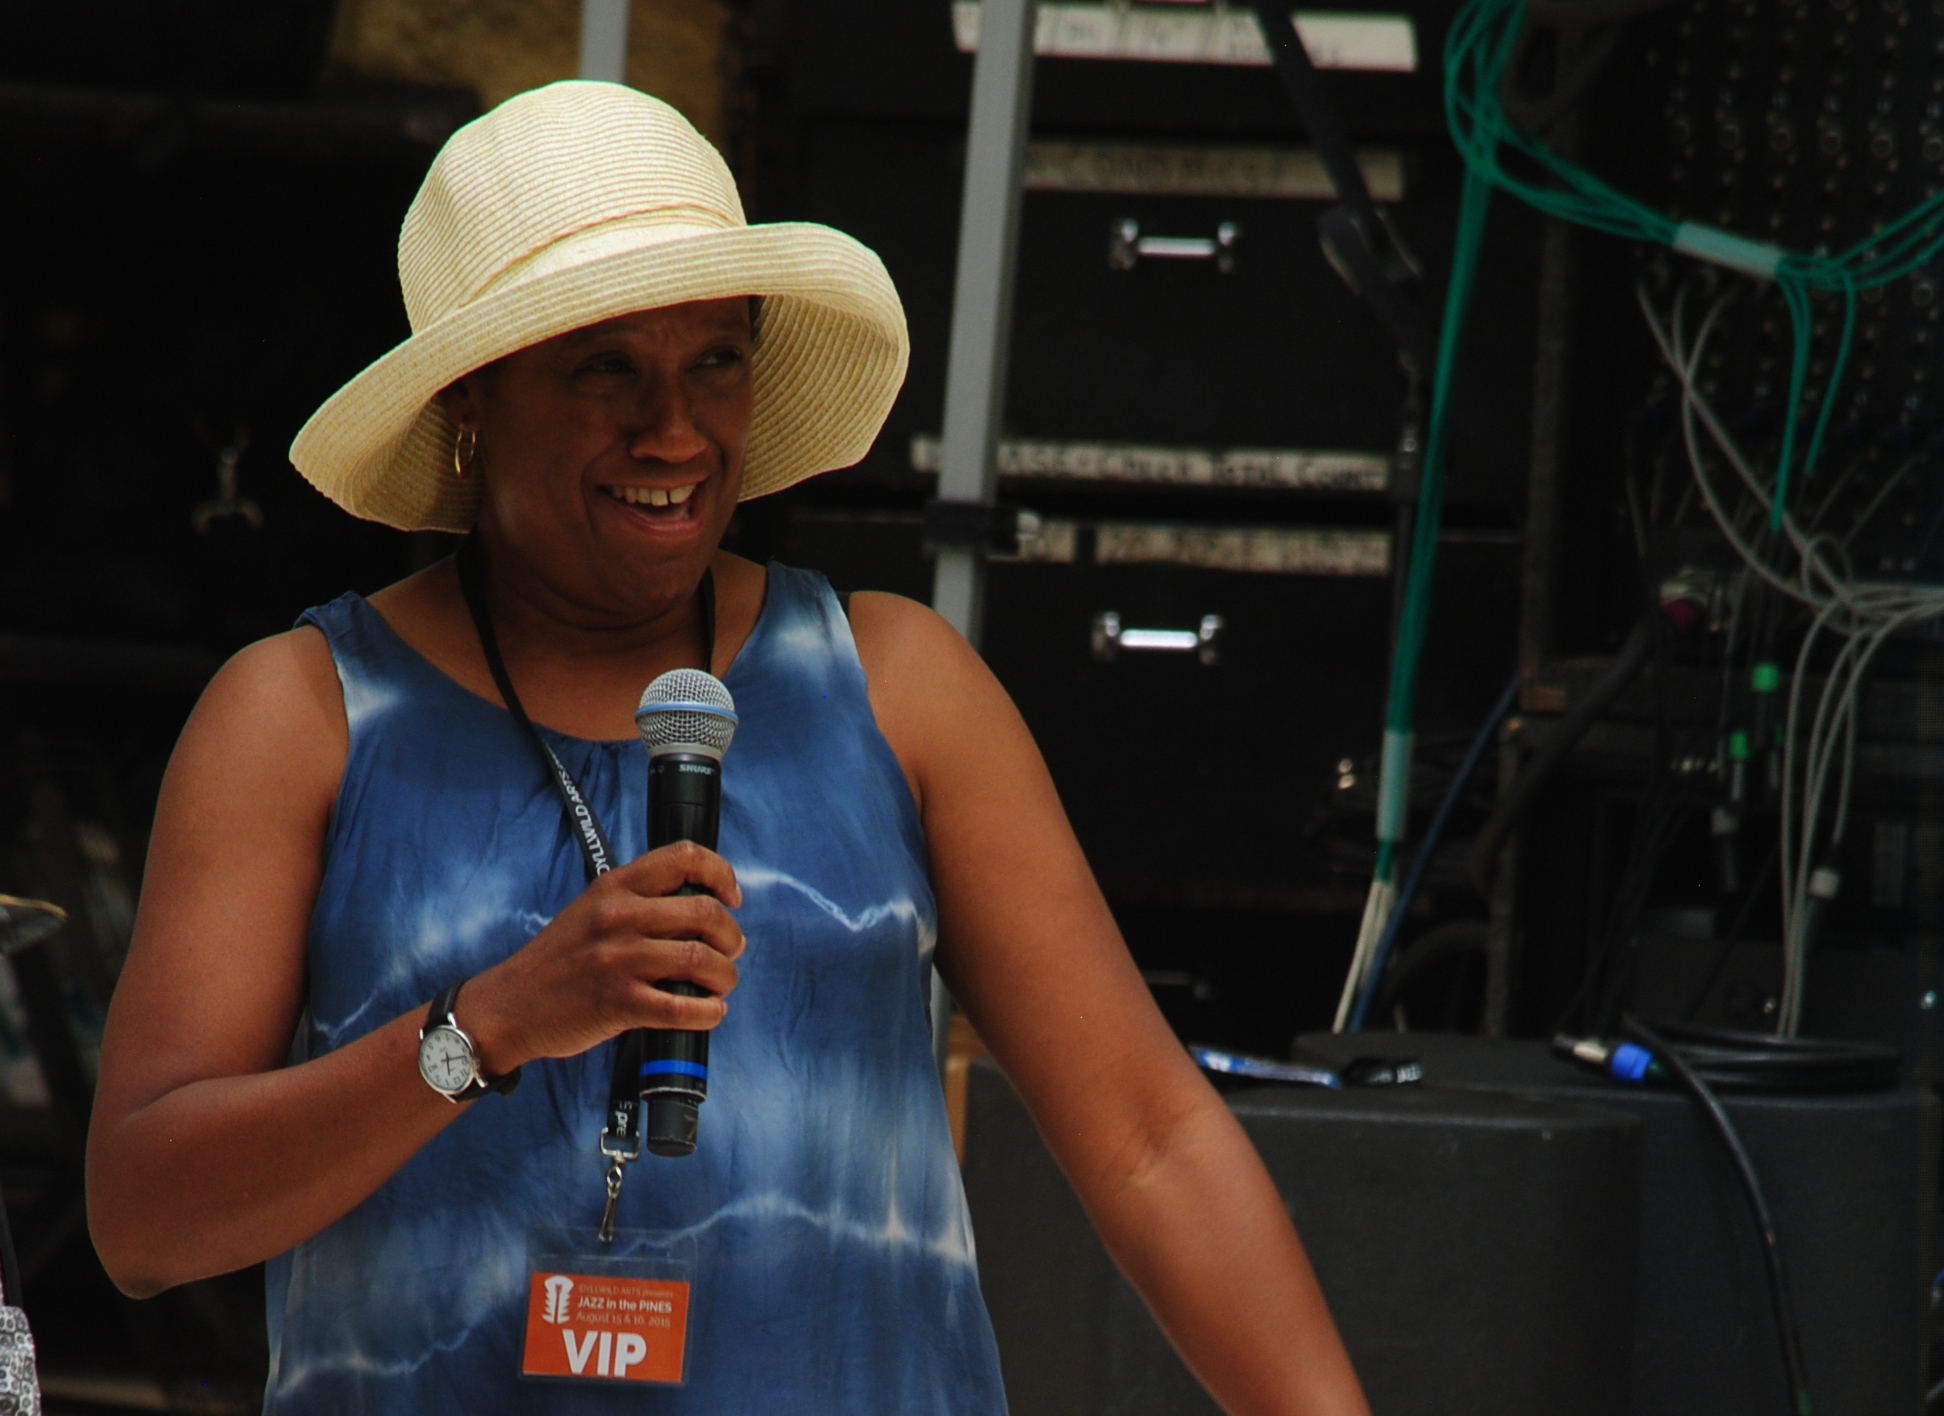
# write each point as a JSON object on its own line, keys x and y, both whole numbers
{"x": 722, "y": 359}
{"x": 608, "y": 364}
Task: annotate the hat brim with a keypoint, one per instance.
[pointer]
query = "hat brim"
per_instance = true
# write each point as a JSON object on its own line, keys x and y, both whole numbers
{"x": 828, "y": 361}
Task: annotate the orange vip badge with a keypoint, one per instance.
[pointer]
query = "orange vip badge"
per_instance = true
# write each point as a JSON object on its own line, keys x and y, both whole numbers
{"x": 592, "y": 1327}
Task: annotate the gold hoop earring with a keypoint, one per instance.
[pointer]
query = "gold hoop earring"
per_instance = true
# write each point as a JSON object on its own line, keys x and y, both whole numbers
{"x": 469, "y": 439}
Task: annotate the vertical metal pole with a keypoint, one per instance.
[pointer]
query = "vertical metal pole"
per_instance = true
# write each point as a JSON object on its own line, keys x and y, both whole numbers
{"x": 975, "y": 371}
{"x": 604, "y": 40}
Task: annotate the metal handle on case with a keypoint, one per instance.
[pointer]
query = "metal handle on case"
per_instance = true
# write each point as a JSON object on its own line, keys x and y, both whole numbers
{"x": 1111, "y": 638}
{"x": 1126, "y": 246}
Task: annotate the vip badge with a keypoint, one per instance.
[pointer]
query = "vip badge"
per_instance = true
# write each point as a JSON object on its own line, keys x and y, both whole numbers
{"x": 591, "y": 1327}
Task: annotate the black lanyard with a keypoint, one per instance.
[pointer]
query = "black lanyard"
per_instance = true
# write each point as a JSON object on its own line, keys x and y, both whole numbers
{"x": 621, "y": 1136}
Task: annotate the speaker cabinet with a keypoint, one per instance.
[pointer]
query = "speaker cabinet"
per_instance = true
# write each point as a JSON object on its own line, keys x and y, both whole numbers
{"x": 1477, "y": 1252}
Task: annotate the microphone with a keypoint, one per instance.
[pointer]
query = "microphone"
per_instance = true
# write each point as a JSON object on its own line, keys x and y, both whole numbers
{"x": 686, "y": 721}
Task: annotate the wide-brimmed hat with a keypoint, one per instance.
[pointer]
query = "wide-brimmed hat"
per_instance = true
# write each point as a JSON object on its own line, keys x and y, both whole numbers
{"x": 576, "y": 203}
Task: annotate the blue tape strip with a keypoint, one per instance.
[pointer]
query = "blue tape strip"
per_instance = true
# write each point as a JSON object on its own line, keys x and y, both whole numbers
{"x": 680, "y": 1069}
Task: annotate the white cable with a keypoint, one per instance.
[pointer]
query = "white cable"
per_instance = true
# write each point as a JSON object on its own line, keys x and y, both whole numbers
{"x": 1862, "y": 597}
{"x": 1864, "y": 614}
{"x": 1378, "y": 905}
{"x": 1823, "y": 757}
{"x": 1790, "y": 736}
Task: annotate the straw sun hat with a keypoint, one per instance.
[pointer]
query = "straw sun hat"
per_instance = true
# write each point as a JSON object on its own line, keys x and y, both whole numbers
{"x": 573, "y": 204}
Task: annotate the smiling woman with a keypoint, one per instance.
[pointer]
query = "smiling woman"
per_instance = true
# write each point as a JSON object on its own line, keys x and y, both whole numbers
{"x": 366, "y": 912}
{"x": 628, "y": 439}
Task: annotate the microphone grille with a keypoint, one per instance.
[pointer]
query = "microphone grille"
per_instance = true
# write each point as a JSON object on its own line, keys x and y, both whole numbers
{"x": 687, "y": 708}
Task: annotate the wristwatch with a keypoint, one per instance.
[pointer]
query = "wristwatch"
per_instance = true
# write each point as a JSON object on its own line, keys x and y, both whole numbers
{"x": 447, "y": 1058}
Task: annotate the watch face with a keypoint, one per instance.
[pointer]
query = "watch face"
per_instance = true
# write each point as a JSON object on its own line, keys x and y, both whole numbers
{"x": 446, "y": 1060}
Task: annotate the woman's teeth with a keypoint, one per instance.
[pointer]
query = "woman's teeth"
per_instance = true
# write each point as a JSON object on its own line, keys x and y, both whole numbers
{"x": 652, "y": 496}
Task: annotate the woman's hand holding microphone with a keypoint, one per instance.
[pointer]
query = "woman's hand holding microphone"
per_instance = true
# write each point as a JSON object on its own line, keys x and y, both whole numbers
{"x": 592, "y": 972}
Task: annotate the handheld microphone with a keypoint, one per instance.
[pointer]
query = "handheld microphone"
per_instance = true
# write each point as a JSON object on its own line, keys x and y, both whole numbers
{"x": 686, "y": 721}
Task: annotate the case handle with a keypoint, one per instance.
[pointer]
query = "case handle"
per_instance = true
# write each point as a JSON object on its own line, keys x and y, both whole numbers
{"x": 1126, "y": 246}
{"x": 1111, "y": 638}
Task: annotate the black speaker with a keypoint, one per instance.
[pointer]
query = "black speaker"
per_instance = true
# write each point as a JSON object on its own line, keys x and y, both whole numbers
{"x": 1477, "y": 1252}
{"x": 1849, "y": 1179}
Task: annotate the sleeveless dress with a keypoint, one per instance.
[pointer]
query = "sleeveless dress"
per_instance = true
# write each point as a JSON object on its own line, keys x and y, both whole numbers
{"x": 834, "y": 1266}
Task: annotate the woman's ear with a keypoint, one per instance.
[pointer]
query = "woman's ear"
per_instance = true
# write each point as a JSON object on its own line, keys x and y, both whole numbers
{"x": 462, "y": 402}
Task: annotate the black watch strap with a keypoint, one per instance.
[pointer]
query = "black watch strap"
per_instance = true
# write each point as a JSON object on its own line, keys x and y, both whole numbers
{"x": 440, "y": 1015}
{"x": 442, "y": 1006}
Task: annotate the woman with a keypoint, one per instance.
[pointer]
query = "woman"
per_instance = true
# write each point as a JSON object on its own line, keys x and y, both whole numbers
{"x": 357, "y": 820}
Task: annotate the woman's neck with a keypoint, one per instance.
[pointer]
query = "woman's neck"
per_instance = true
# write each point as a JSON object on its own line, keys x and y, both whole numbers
{"x": 548, "y": 620}
{"x": 577, "y": 668}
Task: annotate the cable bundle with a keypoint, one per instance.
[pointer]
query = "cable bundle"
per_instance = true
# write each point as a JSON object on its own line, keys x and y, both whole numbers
{"x": 1479, "y": 53}
{"x": 1862, "y": 613}
{"x": 1485, "y": 43}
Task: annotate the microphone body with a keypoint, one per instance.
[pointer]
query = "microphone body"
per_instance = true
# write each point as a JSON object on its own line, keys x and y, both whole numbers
{"x": 686, "y": 719}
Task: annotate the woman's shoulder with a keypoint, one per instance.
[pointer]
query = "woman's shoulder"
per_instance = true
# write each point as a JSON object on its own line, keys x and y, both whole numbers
{"x": 930, "y": 691}
{"x": 268, "y": 738}
{"x": 897, "y": 635}
{"x": 283, "y": 686}
{"x": 288, "y": 675}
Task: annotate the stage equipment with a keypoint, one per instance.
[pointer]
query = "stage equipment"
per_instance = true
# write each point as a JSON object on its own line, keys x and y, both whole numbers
{"x": 1471, "y": 1266}
{"x": 1849, "y": 1178}
{"x": 1474, "y": 1250}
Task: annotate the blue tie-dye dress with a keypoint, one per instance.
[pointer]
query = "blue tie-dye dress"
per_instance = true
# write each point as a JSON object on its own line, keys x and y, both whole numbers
{"x": 834, "y": 1255}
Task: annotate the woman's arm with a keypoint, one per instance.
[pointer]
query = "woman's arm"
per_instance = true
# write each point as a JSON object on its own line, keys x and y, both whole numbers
{"x": 1033, "y": 956}
{"x": 206, "y": 1152}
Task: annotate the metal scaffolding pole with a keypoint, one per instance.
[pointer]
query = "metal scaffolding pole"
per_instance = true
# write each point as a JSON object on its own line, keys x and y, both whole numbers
{"x": 975, "y": 372}
{"x": 604, "y": 40}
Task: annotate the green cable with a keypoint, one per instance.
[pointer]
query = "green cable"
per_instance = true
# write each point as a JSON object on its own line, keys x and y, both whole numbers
{"x": 1478, "y": 53}
{"x": 1394, "y": 779}
{"x": 1822, "y": 414}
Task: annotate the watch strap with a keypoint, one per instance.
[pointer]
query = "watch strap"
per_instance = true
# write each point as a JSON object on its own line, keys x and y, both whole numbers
{"x": 442, "y": 1006}
{"x": 440, "y": 1016}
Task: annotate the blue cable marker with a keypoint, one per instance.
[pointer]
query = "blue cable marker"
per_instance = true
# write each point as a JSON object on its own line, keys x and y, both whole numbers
{"x": 1630, "y": 1063}
{"x": 667, "y": 1068}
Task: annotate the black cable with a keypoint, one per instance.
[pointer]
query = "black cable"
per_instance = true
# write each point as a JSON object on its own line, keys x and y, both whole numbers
{"x": 1786, "y": 1327}
{"x": 1735, "y": 1061}
{"x": 1459, "y": 938}
{"x": 1319, "y": 116}
{"x": 1664, "y": 821}
{"x": 1357, "y": 238}
{"x": 1726, "y": 948}
{"x": 1564, "y": 735}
